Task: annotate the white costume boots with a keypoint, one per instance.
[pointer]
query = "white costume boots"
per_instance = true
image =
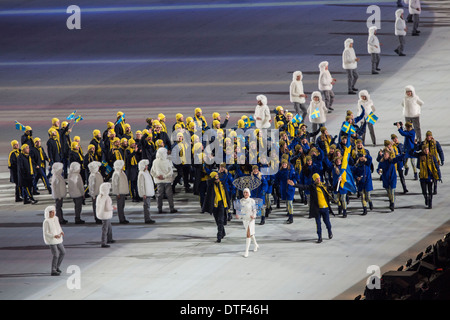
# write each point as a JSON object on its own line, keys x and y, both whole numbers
{"x": 247, "y": 246}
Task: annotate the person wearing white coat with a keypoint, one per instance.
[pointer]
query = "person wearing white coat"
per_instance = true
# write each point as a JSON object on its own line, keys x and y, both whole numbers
{"x": 53, "y": 237}
{"x": 350, "y": 64}
{"x": 415, "y": 9}
{"x": 120, "y": 189}
{"x": 59, "y": 189}
{"x": 262, "y": 113}
{"x": 296, "y": 94}
{"x": 374, "y": 49}
{"x": 326, "y": 82}
{"x": 76, "y": 189}
{"x": 412, "y": 106}
{"x": 105, "y": 213}
{"x": 248, "y": 216}
{"x": 162, "y": 173}
{"x": 146, "y": 188}
{"x": 317, "y": 104}
{"x": 95, "y": 180}
{"x": 366, "y": 103}
{"x": 400, "y": 31}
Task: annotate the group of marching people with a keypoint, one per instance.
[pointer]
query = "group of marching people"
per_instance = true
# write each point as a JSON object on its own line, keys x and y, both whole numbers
{"x": 139, "y": 165}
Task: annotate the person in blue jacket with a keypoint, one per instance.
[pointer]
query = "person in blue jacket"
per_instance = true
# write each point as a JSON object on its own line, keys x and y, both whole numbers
{"x": 287, "y": 191}
{"x": 227, "y": 181}
{"x": 260, "y": 192}
{"x": 363, "y": 175}
{"x": 269, "y": 174}
{"x": 410, "y": 145}
{"x": 339, "y": 193}
{"x": 398, "y": 148}
{"x": 386, "y": 168}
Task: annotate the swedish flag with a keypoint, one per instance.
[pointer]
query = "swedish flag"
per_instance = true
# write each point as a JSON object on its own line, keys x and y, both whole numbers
{"x": 71, "y": 116}
{"x": 108, "y": 169}
{"x": 122, "y": 118}
{"x": 348, "y": 128}
{"x": 297, "y": 119}
{"x": 20, "y": 126}
{"x": 315, "y": 114}
{"x": 347, "y": 182}
{"x": 78, "y": 119}
{"x": 371, "y": 118}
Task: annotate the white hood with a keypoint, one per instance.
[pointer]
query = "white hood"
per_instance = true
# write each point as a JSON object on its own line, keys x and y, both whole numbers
{"x": 322, "y": 66}
{"x": 74, "y": 168}
{"x": 57, "y": 168}
{"x": 105, "y": 187}
{"x": 347, "y": 43}
{"x": 364, "y": 93}
{"x": 47, "y": 211}
{"x": 296, "y": 74}
{"x": 118, "y": 165}
{"x": 161, "y": 154}
{"x": 316, "y": 94}
{"x": 94, "y": 166}
{"x": 398, "y": 13}
{"x": 142, "y": 164}
{"x": 372, "y": 30}
{"x": 410, "y": 88}
{"x": 262, "y": 98}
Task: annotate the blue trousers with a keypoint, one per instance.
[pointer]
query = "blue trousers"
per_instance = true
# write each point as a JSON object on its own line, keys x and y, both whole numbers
{"x": 324, "y": 214}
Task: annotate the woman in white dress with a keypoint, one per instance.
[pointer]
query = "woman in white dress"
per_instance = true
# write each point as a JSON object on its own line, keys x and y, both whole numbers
{"x": 248, "y": 216}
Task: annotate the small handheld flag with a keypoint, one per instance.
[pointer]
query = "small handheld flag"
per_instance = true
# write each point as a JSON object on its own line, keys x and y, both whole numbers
{"x": 315, "y": 114}
{"x": 108, "y": 169}
{"x": 251, "y": 121}
{"x": 122, "y": 118}
{"x": 71, "y": 116}
{"x": 20, "y": 126}
{"x": 371, "y": 118}
{"x": 297, "y": 119}
{"x": 348, "y": 128}
{"x": 345, "y": 176}
{"x": 78, "y": 119}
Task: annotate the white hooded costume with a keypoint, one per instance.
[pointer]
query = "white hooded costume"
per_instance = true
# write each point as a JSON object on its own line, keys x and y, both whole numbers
{"x": 262, "y": 112}
{"x": 414, "y": 7}
{"x": 296, "y": 88}
{"x": 400, "y": 24}
{"x": 74, "y": 181}
{"x": 248, "y": 214}
{"x": 51, "y": 227}
{"x": 119, "y": 179}
{"x": 349, "y": 55}
{"x": 373, "y": 44}
{"x": 248, "y": 211}
{"x": 322, "y": 109}
{"x": 325, "y": 78}
{"x": 366, "y": 104}
{"x": 59, "y": 190}
{"x": 145, "y": 181}
{"x": 162, "y": 166}
{"x": 95, "y": 178}
{"x": 411, "y": 104}
{"x": 104, "y": 202}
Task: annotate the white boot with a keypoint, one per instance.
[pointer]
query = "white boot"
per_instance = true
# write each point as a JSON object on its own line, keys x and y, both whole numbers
{"x": 247, "y": 246}
{"x": 255, "y": 244}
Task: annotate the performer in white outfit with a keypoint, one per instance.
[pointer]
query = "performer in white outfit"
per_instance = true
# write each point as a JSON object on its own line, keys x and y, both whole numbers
{"x": 248, "y": 215}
